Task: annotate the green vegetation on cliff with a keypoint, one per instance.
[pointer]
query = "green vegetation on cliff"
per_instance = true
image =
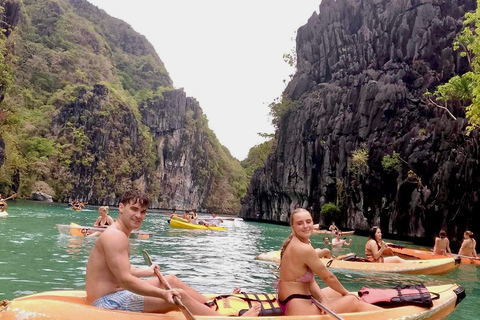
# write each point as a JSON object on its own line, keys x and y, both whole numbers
{"x": 465, "y": 89}
{"x": 71, "y": 116}
{"x": 257, "y": 157}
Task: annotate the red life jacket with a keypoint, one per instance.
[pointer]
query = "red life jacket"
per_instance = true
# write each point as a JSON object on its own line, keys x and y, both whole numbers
{"x": 416, "y": 295}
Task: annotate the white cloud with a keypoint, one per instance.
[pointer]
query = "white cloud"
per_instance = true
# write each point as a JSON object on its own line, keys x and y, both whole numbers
{"x": 226, "y": 54}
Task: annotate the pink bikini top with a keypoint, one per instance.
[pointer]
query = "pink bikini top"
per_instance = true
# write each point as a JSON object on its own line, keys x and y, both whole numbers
{"x": 307, "y": 277}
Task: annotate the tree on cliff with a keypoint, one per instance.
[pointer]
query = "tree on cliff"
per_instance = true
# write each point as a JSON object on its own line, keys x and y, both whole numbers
{"x": 465, "y": 89}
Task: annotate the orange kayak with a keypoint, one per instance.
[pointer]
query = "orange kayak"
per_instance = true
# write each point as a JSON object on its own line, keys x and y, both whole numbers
{"x": 433, "y": 266}
{"x": 66, "y": 305}
{"x": 425, "y": 254}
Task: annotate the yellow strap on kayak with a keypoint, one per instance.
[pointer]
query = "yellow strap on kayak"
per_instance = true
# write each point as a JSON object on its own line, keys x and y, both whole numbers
{"x": 238, "y": 304}
{"x": 4, "y": 304}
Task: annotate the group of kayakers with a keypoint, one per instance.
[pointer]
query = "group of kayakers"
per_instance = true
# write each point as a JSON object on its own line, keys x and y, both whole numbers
{"x": 467, "y": 249}
{"x": 191, "y": 216}
{"x": 298, "y": 292}
{"x": 112, "y": 283}
{"x": 77, "y": 205}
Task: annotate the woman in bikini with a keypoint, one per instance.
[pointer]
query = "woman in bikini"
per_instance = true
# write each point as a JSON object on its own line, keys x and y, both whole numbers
{"x": 299, "y": 263}
{"x": 103, "y": 221}
{"x": 375, "y": 248}
{"x": 442, "y": 245}
{"x": 468, "y": 245}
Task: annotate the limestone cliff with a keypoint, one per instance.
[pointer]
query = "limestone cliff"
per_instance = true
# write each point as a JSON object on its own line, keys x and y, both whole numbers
{"x": 92, "y": 111}
{"x": 192, "y": 168}
{"x": 362, "y": 69}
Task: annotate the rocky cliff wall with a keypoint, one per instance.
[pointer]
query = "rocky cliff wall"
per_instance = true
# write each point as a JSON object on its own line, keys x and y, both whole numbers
{"x": 362, "y": 68}
{"x": 170, "y": 120}
{"x": 104, "y": 150}
{"x": 164, "y": 148}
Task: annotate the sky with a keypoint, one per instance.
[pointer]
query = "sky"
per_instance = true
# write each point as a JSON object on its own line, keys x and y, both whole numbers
{"x": 226, "y": 54}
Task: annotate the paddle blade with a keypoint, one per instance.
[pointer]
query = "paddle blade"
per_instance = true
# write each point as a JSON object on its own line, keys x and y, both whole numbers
{"x": 147, "y": 257}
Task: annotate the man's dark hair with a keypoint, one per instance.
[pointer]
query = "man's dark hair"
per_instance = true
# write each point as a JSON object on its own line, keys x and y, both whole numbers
{"x": 134, "y": 196}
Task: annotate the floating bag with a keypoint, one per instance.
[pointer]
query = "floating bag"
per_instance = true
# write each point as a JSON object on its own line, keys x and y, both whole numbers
{"x": 416, "y": 295}
{"x": 238, "y": 304}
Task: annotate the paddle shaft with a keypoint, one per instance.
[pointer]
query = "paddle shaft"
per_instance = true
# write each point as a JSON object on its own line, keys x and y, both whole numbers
{"x": 462, "y": 256}
{"x": 468, "y": 257}
{"x": 8, "y": 198}
{"x": 164, "y": 281}
{"x": 320, "y": 305}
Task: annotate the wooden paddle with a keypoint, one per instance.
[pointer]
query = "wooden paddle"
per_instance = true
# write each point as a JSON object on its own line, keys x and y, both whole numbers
{"x": 164, "y": 281}
{"x": 226, "y": 219}
{"x": 467, "y": 257}
{"x": 320, "y": 305}
{"x": 461, "y": 256}
{"x": 12, "y": 196}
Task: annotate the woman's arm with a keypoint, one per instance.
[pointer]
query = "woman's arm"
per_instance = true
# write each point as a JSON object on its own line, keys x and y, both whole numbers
{"x": 448, "y": 247}
{"x": 316, "y": 291}
{"x": 309, "y": 257}
{"x": 97, "y": 222}
{"x": 377, "y": 253}
{"x": 437, "y": 240}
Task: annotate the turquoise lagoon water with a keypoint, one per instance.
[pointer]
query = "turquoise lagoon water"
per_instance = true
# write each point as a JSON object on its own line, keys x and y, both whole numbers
{"x": 34, "y": 257}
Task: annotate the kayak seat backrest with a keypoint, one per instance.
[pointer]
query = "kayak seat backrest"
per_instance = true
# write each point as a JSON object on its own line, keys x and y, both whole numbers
{"x": 353, "y": 257}
{"x": 238, "y": 304}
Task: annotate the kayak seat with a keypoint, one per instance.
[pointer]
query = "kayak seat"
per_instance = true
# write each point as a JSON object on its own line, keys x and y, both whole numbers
{"x": 238, "y": 304}
{"x": 353, "y": 257}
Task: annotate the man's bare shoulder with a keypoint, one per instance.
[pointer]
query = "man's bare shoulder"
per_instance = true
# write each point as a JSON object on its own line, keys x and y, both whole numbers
{"x": 113, "y": 234}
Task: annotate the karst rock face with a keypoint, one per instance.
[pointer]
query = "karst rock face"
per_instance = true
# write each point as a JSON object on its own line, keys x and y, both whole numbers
{"x": 177, "y": 141}
{"x": 362, "y": 69}
{"x": 114, "y": 142}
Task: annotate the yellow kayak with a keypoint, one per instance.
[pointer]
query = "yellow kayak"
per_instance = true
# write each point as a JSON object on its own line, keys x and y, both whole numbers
{"x": 66, "y": 305}
{"x": 176, "y": 223}
{"x": 434, "y": 266}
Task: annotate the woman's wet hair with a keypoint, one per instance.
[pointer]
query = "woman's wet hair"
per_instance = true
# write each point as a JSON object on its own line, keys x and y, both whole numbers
{"x": 134, "y": 196}
{"x": 287, "y": 241}
{"x": 469, "y": 233}
{"x": 372, "y": 232}
{"x": 442, "y": 234}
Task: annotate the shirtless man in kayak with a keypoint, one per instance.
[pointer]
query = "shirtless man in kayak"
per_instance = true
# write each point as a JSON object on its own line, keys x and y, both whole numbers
{"x": 112, "y": 283}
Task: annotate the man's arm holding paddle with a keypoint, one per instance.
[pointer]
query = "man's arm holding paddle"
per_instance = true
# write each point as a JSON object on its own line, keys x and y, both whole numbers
{"x": 116, "y": 254}
{"x": 144, "y": 272}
